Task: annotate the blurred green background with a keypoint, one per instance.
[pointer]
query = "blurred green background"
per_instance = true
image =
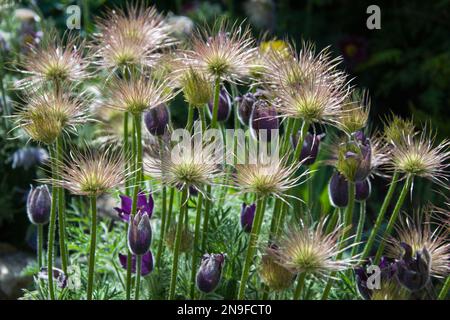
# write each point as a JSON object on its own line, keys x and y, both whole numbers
{"x": 405, "y": 65}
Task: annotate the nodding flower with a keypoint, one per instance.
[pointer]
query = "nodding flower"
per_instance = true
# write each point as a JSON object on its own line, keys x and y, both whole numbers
{"x": 157, "y": 119}
{"x": 413, "y": 271}
{"x": 263, "y": 119}
{"x": 338, "y": 190}
{"x": 224, "y": 106}
{"x": 210, "y": 272}
{"x": 363, "y": 190}
{"x": 39, "y": 202}
{"x": 310, "y": 148}
{"x": 247, "y": 216}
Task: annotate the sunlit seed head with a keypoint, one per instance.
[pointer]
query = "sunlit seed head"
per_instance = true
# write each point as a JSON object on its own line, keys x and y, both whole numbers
{"x": 137, "y": 95}
{"x": 418, "y": 156}
{"x": 90, "y": 172}
{"x": 396, "y": 129}
{"x": 274, "y": 275}
{"x": 185, "y": 169}
{"x": 355, "y": 113}
{"x": 421, "y": 233}
{"x": 131, "y": 38}
{"x": 55, "y": 60}
{"x": 308, "y": 248}
{"x": 47, "y": 115}
{"x": 268, "y": 177}
{"x": 225, "y": 52}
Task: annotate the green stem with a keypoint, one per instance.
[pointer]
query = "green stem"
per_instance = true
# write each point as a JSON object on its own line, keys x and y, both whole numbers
{"x": 348, "y": 217}
{"x": 125, "y": 148}
{"x": 206, "y": 219}
{"x": 194, "y": 247}
{"x": 176, "y": 253}
{"x": 61, "y": 213}
{"x": 394, "y": 216}
{"x": 360, "y": 228}
{"x": 170, "y": 211}
{"x": 92, "y": 247}
{"x": 163, "y": 227}
{"x": 380, "y": 217}
{"x": 137, "y": 157}
{"x": 300, "y": 285}
{"x": 190, "y": 118}
{"x": 301, "y": 139}
{"x": 332, "y": 222}
{"x": 444, "y": 291}
{"x": 51, "y": 229}
{"x": 215, "y": 103}
{"x": 40, "y": 244}
{"x": 256, "y": 229}
{"x": 138, "y": 276}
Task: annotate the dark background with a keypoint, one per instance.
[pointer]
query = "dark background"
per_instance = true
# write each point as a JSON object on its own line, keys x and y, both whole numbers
{"x": 405, "y": 65}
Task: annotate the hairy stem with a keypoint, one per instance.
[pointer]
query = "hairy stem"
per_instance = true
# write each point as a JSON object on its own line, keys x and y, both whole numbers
{"x": 176, "y": 252}
{"x": 380, "y": 217}
{"x": 195, "y": 245}
{"x": 215, "y": 103}
{"x": 394, "y": 216}
{"x": 93, "y": 200}
{"x": 300, "y": 285}
{"x": 444, "y": 291}
{"x": 138, "y": 276}
{"x": 51, "y": 228}
{"x": 61, "y": 213}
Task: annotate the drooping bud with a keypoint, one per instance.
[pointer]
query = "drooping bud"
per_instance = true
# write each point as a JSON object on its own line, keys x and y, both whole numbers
{"x": 245, "y": 107}
{"x": 338, "y": 190}
{"x": 156, "y": 119}
{"x": 274, "y": 275}
{"x": 210, "y": 272}
{"x": 381, "y": 287}
{"x": 39, "y": 203}
{"x": 247, "y": 216}
{"x": 363, "y": 190}
{"x": 139, "y": 233}
{"x": 263, "y": 117}
{"x": 224, "y": 106}
{"x": 310, "y": 147}
{"x": 413, "y": 272}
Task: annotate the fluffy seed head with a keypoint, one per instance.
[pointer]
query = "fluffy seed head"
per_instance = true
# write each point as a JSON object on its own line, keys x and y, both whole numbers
{"x": 421, "y": 234}
{"x": 47, "y": 115}
{"x": 138, "y": 94}
{"x": 307, "y": 248}
{"x": 227, "y": 52}
{"x": 184, "y": 168}
{"x": 396, "y": 129}
{"x": 268, "y": 177}
{"x": 54, "y": 60}
{"x": 91, "y": 172}
{"x": 274, "y": 275}
{"x": 418, "y": 156}
{"x": 196, "y": 88}
{"x": 356, "y": 112}
{"x": 131, "y": 38}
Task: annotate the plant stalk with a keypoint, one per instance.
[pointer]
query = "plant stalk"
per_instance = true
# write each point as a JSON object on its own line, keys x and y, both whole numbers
{"x": 93, "y": 200}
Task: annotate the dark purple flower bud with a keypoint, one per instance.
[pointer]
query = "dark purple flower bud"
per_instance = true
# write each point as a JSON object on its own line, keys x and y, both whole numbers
{"x": 146, "y": 266}
{"x": 210, "y": 271}
{"x": 139, "y": 233}
{"x": 245, "y": 107}
{"x": 413, "y": 272}
{"x": 365, "y": 157}
{"x": 263, "y": 117}
{"x": 224, "y": 107}
{"x": 338, "y": 190}
{"x": 310, "y": 147}
{"x": 28, "y": 157}
{"x": 39, "y": 202}
{"x": 363, "y": 190}
{"x": 157, "y": 119}
{"x": 247, "y": 216}
{"x": 143, "y": 206}
{"x": 58, "y": 275}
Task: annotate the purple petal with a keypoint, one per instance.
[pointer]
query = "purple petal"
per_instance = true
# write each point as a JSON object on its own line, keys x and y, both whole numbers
{"x": 146, "y": 266}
